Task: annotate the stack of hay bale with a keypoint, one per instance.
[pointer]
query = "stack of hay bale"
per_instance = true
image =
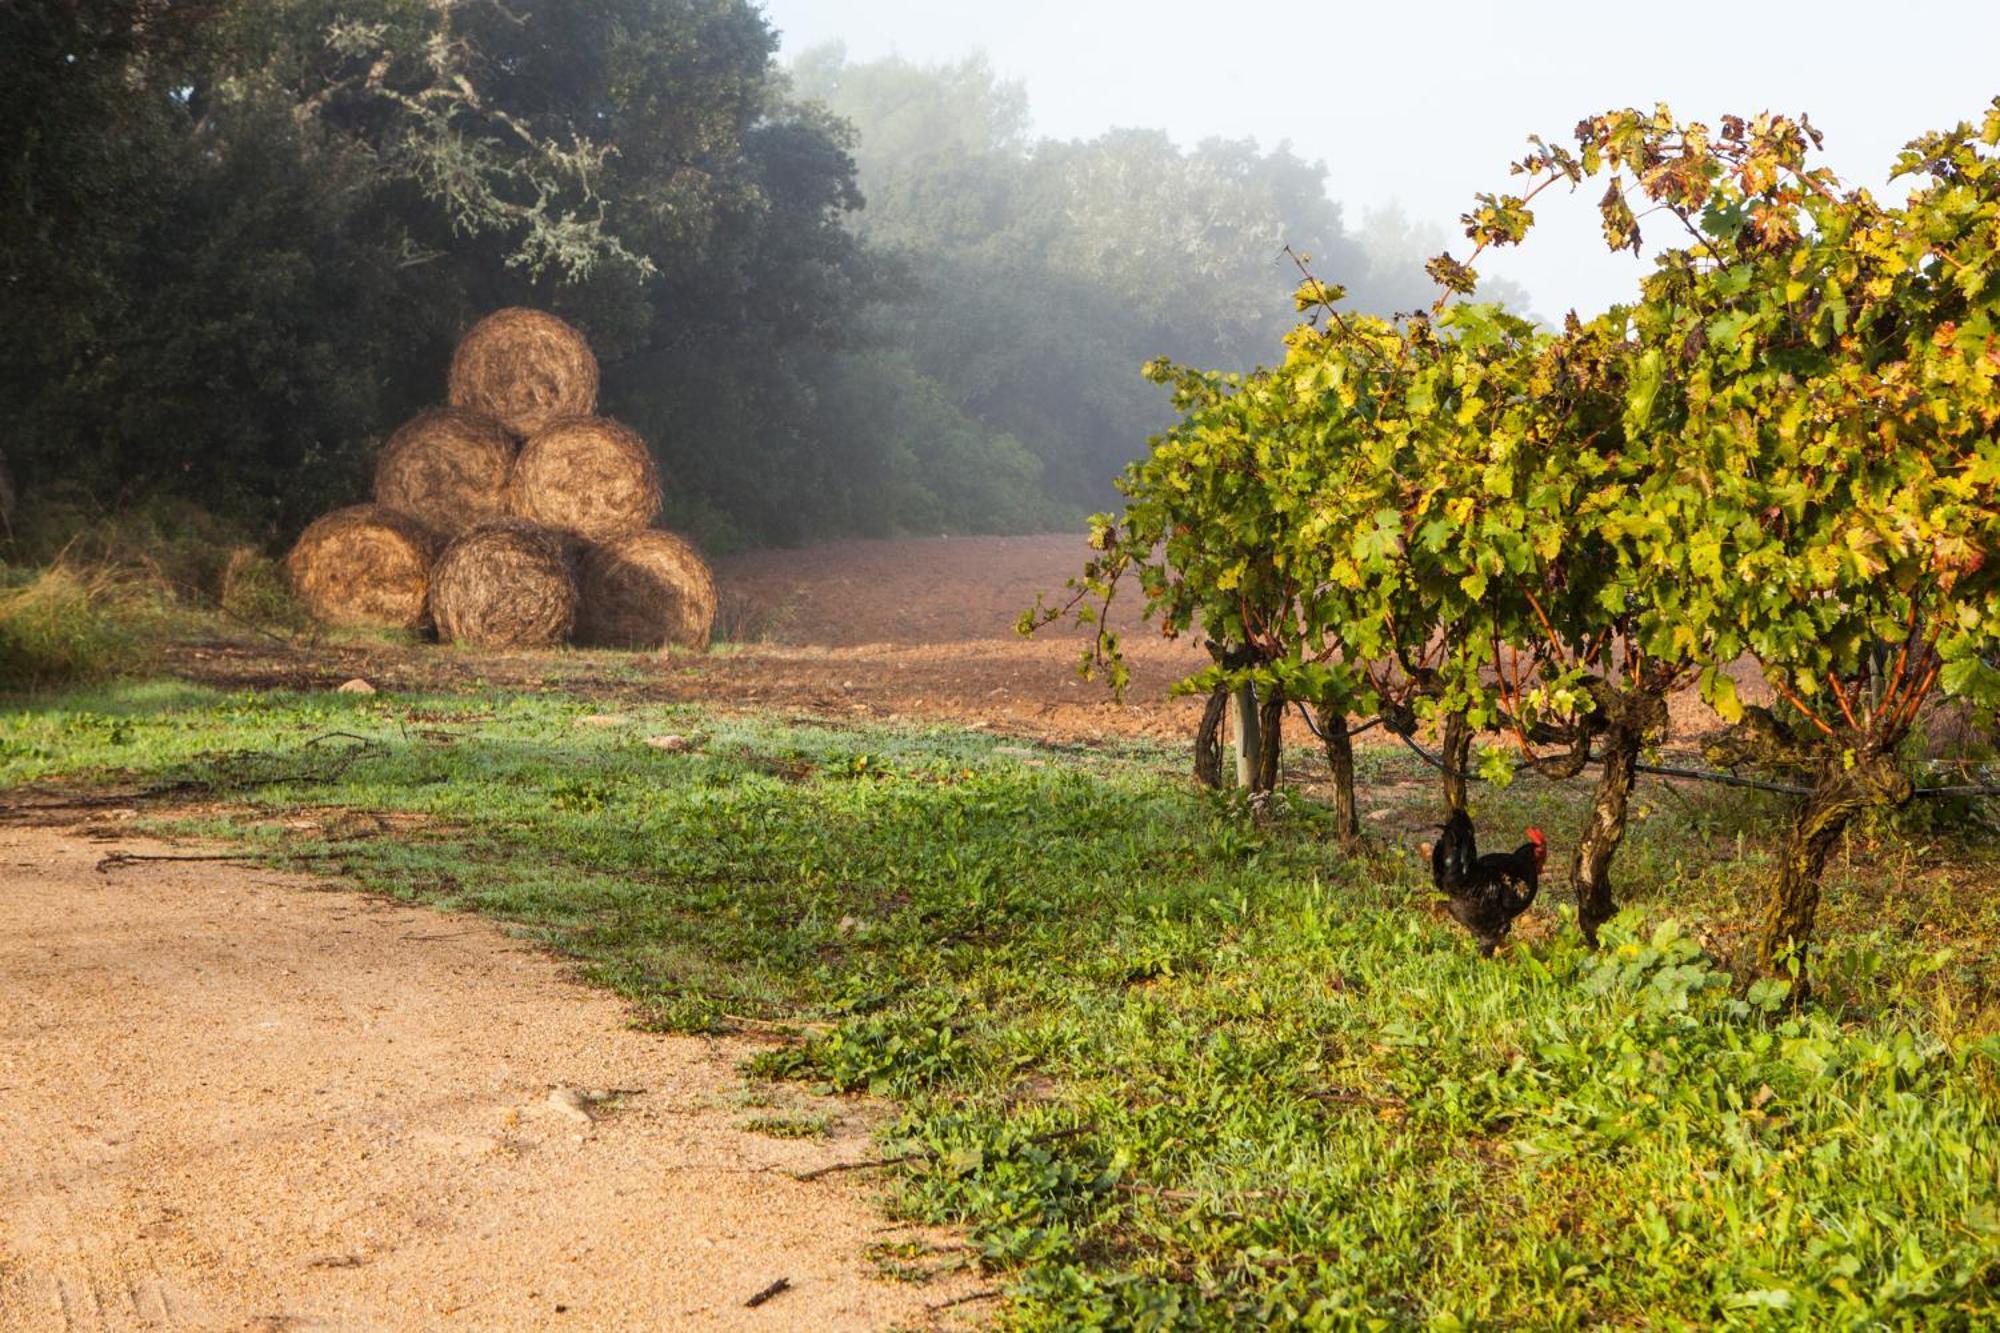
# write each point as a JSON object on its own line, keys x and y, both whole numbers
{"x": 516, "y": 517}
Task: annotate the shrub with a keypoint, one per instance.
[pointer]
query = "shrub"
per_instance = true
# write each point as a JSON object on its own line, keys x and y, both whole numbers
{"x": 71, "y": 622}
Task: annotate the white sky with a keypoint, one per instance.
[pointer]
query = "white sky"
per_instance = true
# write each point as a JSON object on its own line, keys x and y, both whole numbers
{"x": 1427, "y": 101}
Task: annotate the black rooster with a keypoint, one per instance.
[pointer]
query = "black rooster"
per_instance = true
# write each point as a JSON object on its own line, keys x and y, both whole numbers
{"x": 1486, "y": 892}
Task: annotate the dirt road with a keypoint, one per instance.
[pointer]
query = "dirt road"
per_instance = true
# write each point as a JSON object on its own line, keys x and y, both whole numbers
{"x": 236, "y": 1099}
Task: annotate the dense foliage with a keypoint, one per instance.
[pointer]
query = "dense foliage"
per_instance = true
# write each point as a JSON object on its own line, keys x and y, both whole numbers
{"x": 1783, "y": 447}
{"x": 241, "y": 238}
{"x": 1165, "y": 1069}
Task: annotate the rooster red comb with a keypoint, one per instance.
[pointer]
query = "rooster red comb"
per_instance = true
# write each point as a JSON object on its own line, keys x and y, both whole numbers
{"x": 1541, "y": 842}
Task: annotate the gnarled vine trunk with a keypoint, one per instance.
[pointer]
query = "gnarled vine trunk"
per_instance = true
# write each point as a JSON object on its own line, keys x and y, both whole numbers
{"x": 1841, "y": 792}
{"x": 1590, "y": 871}
{"x": 1846, "y": 781}
{"x": 1208, "y": 741}
{"x": 1630, "y": 717}
{"x": 1270, "y": 738}
{"x": 1457, "y": 759}
{"x": 1231, "y": 713}
{"x": 1340, "y": 759}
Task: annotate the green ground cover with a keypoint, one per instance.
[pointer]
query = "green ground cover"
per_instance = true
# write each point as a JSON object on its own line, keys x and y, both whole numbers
{"x": 1167, "y": 1066}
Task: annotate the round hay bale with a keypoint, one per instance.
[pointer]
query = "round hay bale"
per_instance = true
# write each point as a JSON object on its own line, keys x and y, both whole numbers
{"x": 646, "y": 590}
{"x": 505, "y": 584}
{"x": 365, "y": 566}
{"x": 588, "y": 476}
{"x": 525, "y": 369}
{"x": 448, "y": 469}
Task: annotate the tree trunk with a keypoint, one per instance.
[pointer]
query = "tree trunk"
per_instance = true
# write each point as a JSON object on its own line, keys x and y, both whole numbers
{"x": 1208, "y": 741}
{"x": 1590, "y": 872}
{"x": 1628, "y": 718}
{"x": 1457, "y": 759}
{"x": 1243, "y": 723}
{"x": 1842, "y": 792}
{"x": 1340, "y": 758}
{"x": 1270, "y": 738}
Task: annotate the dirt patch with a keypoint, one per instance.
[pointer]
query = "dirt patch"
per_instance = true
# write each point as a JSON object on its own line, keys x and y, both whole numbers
{"x": 904, "y": 593}
{"x": 871, "y": 629}
{"x": 235, "y": 1099}
{"x": 874, "y": 630}
{"x": 926, "y": 629}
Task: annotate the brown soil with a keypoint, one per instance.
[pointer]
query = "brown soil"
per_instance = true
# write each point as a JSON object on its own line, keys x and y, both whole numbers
{"x": 886, "y": 630}
{"x": 927, "y": 629}
{"x": 874, "y": 629}
{"x": 233, "y": 1099}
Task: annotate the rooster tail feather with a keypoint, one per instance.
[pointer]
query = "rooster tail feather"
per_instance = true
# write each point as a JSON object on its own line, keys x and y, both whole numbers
{"x": 1456, "y": 850}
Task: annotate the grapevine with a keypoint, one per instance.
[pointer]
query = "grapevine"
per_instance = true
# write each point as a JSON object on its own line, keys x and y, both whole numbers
{"x": 1783, "y": 449}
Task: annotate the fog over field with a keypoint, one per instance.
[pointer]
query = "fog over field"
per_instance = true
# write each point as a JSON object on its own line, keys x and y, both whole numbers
{"x": 1426, "y": 105}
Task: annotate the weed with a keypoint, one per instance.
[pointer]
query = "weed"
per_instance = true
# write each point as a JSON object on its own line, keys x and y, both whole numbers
{"x": 70, "y": 623}
{"x": 255, "y": 592}
{"x": 791, "y": 1126}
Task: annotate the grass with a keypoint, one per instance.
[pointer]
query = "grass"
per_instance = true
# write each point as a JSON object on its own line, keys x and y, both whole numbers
{"x": 68, "y": 622}
{"x": 88, "y": 597}
{"x": 1169, "y": 1068}
{"x": 790, "y": 1126}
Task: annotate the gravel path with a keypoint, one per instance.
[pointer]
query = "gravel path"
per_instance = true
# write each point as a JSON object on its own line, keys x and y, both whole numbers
{"x": 232, "y": 1098}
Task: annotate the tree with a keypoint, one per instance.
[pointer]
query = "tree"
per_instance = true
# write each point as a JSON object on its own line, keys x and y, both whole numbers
{"x": 915, "y": 119}
{"x": 167, "y": 272}
{"x": 1785, "y": 446}
{"x": 251, "y": 233}
{"x": 1814, "y": 375}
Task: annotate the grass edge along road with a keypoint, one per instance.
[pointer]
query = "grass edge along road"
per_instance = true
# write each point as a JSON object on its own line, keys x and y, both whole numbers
{"x": 1168, "y": 1067}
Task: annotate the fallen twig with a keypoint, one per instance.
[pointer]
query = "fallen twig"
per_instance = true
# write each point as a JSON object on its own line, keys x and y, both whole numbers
{"x": 60, "y": 801}
{"x": 1348, "y": 1096}
{"x": 820, "y": 1172}
{"x": 324, "y": 737}
{"x": 778, "y": 1288}
{"x": 119, "y": 859}
{"x": 219, "y": 781}
{"x": 989, "y": 1294}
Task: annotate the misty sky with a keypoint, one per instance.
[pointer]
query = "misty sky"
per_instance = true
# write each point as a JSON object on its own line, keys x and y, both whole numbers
{"x": 1427, "y": 103}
